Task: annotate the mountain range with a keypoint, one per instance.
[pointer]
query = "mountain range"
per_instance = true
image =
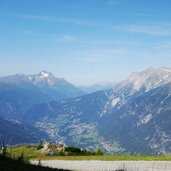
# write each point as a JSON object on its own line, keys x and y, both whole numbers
{"x": 19, "y": 92}
{"x": 132, "y": 117}
{"x": 105, "y": 85}
{"x": 14, "y": 132}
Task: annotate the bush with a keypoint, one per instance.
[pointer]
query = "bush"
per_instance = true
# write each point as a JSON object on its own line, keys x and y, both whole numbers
{"x": 88, "y": 153}
{"x": 39, "y": 146}
{"x": 73, "y": 150}
{"x": 99, "y": 152}
{"x": 59, "y": 153}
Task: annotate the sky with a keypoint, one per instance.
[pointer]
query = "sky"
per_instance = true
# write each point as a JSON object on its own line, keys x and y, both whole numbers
{"x": 84, "y": 41}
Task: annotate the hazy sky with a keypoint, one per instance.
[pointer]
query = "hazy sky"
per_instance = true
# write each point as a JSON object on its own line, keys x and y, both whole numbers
{"x": 84, "y": 41}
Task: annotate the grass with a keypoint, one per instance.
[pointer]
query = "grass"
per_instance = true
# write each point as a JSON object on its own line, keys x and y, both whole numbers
{"x": 30, "y": 152}
{"x": 27, "y": 151}
{"x": 108, "y": 158}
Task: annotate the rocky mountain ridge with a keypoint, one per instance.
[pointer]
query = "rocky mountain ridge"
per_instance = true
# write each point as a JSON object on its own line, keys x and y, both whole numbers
{"x": 133, "y": 117}
{"x": 19, "y": 92}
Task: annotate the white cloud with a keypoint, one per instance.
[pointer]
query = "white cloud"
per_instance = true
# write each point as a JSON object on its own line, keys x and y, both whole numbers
{"x": 59, "y": 19}
{"x": 156, "y": 30}
{"x": 66, "y": 38}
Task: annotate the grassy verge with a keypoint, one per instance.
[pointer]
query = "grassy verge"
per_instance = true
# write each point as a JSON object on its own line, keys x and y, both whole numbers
{"x": 26, "y": 151}
{"x": 31, "y": 152}
{"x": 108, "y": 158}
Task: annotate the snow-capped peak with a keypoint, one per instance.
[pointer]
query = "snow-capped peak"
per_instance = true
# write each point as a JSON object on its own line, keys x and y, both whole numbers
{"x": 43, "y": 78}
{"x": 150, "y": 78}
{"x": 44, "y": 74}
{"x": 166, "y": 69}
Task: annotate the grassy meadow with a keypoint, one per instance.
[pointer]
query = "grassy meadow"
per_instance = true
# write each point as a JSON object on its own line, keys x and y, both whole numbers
{"x": 27, "y": 151}
{"x": 30, "y": 152}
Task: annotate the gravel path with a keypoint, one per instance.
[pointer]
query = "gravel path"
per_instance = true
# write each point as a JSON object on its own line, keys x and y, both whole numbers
{"x": 108, "y": 165}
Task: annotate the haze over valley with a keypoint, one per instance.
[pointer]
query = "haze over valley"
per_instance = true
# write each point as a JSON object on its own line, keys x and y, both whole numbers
{"x": 132, "y": 116}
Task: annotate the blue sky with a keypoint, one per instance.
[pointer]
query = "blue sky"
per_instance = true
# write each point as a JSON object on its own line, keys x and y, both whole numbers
{"x": 84, "y": 41}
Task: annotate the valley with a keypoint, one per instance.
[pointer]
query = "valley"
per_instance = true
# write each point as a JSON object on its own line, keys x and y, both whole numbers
{"x": 133, "y": 117}
{"x": 85, "y": 85}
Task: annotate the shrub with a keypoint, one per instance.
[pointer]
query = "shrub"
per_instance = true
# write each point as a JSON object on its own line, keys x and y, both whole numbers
{"x": 39, "y": 146}
{"x": 71, "y": 150}
{"x": 99, "y": 152}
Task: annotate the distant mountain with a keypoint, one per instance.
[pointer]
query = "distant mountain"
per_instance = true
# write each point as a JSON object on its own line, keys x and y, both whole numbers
{"x": 98, "y": 87}
{"x": 19, "y": 92}
{"x": 15, "y": 99}
{"x": 147, "y": 79}
{"x": 14, "y": 132}
{"x": 134, "y": 117}
{"x": 58, "y": 88}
